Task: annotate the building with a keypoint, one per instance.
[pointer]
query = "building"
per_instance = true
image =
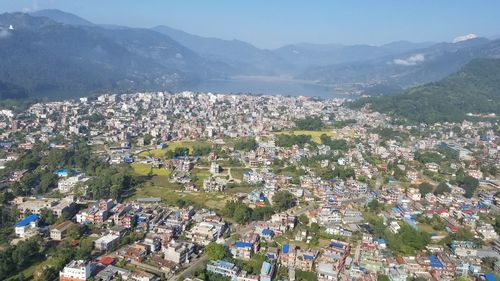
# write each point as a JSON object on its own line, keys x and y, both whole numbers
{"x": 106, "y": 242}
{"x": 59, "y": 231}
{"x": 76, "y": 270}
{"x": 35, "y": 206}
{"x": 66, "y": 185}
{"x": 178, "y": 252}
{"x": 266, "y": 271}
{"x": 26, "y": 226}
{"x": 223, "y": 268}
{"x": 326, "y": 272}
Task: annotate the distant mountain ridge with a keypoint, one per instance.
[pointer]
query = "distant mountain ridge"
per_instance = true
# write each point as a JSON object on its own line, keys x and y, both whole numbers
{"x": 407, "y": 69}
{"x": 55, "y": 54}
{"x": 47, "y": 58}
{"x": 473, "y": 89}
{"x": 243, "y": 57}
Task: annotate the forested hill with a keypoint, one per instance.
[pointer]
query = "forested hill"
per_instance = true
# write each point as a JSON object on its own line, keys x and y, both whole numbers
{"x": 473, "y": 89}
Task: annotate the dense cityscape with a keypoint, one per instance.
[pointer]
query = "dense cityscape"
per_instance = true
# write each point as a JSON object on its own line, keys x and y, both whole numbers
{"x": 202, "y": 186}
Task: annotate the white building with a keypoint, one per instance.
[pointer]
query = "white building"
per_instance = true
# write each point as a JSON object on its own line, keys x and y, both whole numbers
{"x": 76, "y": 270}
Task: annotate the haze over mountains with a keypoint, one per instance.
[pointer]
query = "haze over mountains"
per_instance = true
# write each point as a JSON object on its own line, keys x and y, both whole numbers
{"x": 54, "y": 54}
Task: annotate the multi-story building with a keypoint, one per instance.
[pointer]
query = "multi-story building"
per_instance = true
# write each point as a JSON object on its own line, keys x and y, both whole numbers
{"x": 77, "y": 270}
{"x": 178, "y": 252}
{"x": 223, "y": 268}
{"x": 59, "y": 231}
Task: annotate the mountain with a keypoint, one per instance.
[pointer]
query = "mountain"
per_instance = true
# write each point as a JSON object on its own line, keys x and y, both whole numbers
{"x": 406, "y": 69}
{"x": 47, "y": 58}
{"x": 62, "y": 17}
{"x": 243, "y": 57}
{"x": 307, "y": 55}
{"x": 473, "y": 89}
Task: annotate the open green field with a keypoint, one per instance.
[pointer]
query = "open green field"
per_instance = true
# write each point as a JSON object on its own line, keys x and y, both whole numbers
{"x": 428, "y": 229}
{"x": 143, "y": 169}
{"x": 171, "y": 192}
{"x": 315, "y": 135}
{"x": 171, "y": 146}
{"x": 201, "y": 175}
{"x": 237, "y": 173}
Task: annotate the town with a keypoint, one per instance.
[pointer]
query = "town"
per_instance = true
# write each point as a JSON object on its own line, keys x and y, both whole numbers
{"x": 203, "y": 186}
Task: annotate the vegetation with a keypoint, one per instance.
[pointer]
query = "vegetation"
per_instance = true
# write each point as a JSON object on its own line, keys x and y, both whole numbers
{"x": 246, "y": 144}
{"x": 334, "y": 144}
{"x": 473, "y": 89}
{"x": 215, "y": 251}
{"x": 241, "y": 213}
{"x": 425, "y": 188}
{"x": 290, "y": 140}
{"x": 310, "y": 123}
{"x": 283, "y": 200}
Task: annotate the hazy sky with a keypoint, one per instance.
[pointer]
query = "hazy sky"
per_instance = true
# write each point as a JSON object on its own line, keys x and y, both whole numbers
{"x": 273, "y": 23}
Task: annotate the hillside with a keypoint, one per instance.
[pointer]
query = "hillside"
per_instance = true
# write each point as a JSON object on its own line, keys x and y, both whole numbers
{"x": 407, "y": 69}
{"x": 473, "y": 89}
{"x": 244, "y": 58}
{"x": 49, "y": 59}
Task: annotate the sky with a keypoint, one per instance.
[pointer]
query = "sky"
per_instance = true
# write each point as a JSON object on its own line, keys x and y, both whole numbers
{"x": 274, "y": 23}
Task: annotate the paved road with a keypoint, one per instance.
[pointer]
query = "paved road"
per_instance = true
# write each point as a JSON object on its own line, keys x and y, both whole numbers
{"x": 192, "y": 267}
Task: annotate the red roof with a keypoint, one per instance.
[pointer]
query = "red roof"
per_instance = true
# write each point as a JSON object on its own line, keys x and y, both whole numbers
{"x": 106, "y": 260}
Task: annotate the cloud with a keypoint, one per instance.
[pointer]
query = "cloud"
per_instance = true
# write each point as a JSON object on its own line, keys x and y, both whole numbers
{"x": 412, "y": 60}
{"x": 464, "y": 38}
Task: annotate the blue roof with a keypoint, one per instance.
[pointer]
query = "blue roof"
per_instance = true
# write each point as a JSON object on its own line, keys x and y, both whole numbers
{"x": 224, "y": 264}
{"x": 308, "y": 257}
{"x": 270, "y": 256}
{"x": 267, "y": 232}
{"x": 489, "y": 277}
{"x": 435, "y": 262}
{"x": 27, "y": 220}
{"x": 284, "y": 249}
{"x": 241, "y": 244}
{"x": 337, "y": 245}
{"x": 266, "y": 268}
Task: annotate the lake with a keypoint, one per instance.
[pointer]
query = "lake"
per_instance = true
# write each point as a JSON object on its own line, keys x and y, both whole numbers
{"x": 268, "y": 87}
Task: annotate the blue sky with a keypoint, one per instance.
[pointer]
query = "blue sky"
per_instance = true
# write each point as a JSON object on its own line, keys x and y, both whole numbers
{"x": 273, "y": 23}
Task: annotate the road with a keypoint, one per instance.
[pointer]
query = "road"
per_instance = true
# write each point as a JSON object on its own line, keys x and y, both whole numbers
{"x": 192, "y": 267}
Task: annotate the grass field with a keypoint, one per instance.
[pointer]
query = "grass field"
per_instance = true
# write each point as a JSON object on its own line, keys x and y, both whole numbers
{"x": 201, "y": 175}
{"x": 143, "y": 169}
{"x": 171, "y": 192}
{"x": 159, "y": 153}
{"x": 237, "y": 173}
{"x": 315, "y": 135}
{"x": 428, "y": 229}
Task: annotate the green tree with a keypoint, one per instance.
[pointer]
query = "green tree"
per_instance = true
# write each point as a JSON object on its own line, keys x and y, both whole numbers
{"x": 470, "y": 185}
{"x": 303, "y": 219}
{"x": 442, "y": 188}
{"x": 425, "y": 188}
{"x": 215, "y": 251}
{"x": 283, "y": 200}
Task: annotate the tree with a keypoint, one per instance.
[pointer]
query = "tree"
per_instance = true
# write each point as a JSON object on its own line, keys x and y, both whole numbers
{"x": 242, "y": 213}
{"x": 442, "y": 188}
{"x": 283, "y": 200}
{"x": 425, "y": 188}
{"x": 375, "y": 206}
{"x": 310, "y": 123}
{"x": 382, "y": 277}
{"x": 470, "y": 185}
{"x": 215, "y": 251}
{"x": 47, "y": 217}
{"x": 303, "y": 219}
{"x": 180, "y": 203}
{"x": 246, "y": 144}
